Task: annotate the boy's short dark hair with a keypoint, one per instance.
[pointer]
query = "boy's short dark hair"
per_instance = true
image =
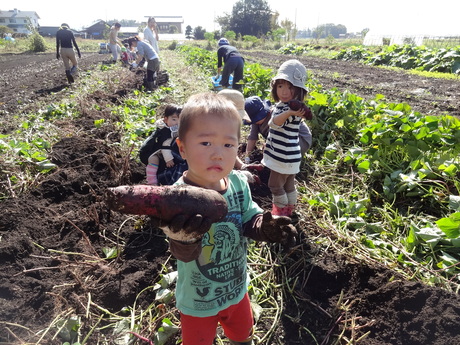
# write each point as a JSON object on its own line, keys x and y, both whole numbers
{"x": 172, "y": 109}
{"x": 208, "y": 103}
{"x": 117, "y": 25}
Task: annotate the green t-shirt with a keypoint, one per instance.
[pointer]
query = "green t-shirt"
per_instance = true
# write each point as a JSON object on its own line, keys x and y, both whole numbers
{"x": 218, "y": 278}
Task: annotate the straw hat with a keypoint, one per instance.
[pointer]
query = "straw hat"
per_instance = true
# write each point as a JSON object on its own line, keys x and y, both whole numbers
{"x": 294, "y": 72}
{"x": 237, "y": 99}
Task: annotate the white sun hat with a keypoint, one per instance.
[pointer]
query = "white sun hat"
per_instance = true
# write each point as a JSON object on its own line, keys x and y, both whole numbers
{"x": 237, "y": 98}
{"x": 294, "y": 72}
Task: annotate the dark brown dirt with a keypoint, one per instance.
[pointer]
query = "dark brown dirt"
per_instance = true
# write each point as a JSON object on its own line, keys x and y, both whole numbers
{"x": 41, "y": 277}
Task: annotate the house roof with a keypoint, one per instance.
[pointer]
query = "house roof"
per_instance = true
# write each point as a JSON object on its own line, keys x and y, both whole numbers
{"x": 18, "y": 14}
{"x": 96, "y": 23}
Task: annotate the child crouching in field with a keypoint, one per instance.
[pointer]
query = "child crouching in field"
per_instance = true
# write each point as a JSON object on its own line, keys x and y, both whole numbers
{"x": 169, "y": 127}
{"x": 212, "y": 268}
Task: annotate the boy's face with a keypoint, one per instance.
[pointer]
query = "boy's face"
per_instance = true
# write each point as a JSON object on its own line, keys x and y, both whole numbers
{"x": 210, "y": 148}
{"x": 285, "y": 91}
{"x": 171, "y": 120}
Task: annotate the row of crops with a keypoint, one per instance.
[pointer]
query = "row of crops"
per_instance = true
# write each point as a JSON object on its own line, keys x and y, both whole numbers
{"x": 407, "y": 57}
{"x": 387, "y": 176}
{"x": 443, "y": 60}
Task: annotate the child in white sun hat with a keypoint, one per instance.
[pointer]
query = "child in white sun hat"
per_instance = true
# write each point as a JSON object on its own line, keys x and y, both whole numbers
{"x": 282, "y": 154}
{"x": 237, "y": 98}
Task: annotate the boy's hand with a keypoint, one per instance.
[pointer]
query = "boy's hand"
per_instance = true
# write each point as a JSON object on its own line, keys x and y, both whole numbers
{"x": 279, "y": 230}
{"x": 184, "y": 228}
{"x": 170, "y": 163}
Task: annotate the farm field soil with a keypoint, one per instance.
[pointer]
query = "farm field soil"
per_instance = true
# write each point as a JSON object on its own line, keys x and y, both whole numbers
{"x": 51, "y": 237}
{"x": 425, "y": 95}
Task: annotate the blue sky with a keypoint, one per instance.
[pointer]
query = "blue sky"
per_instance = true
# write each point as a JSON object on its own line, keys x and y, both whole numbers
{"x": 389, "y": 17}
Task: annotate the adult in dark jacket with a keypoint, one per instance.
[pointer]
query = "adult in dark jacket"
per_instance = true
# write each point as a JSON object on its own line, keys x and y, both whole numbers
{"x": 64, "y": 41}
{"x": 233, "y": 63}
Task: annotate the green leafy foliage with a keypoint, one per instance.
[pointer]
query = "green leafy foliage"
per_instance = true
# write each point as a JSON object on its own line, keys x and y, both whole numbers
{"x": 37, "y": 43}
{"x": 407, "y": 57}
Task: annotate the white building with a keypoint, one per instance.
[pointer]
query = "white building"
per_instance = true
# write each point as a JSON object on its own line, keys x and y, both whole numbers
{"x": 19, "y": 21}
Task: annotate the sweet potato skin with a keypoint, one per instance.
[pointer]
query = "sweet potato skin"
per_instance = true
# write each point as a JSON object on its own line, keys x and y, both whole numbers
{"x": 166, "y": 202}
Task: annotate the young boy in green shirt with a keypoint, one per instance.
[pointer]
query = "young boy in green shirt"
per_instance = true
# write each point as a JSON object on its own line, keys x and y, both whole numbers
{"x": 212, "y": 269}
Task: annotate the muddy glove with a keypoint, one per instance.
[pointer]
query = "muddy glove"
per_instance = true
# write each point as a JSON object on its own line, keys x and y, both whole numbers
{"x": 279, "y": 230}
{"x": 187, "y": 229}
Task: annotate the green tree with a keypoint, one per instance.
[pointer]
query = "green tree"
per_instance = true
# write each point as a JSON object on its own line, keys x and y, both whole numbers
{"x": 278, "y": 33}
{"x": 5, "y": 30}
{"x": 249, "y": 17}
{"x": 209, "y": 36}
{"x": 325, "y": 30}
{"x": 199, "y": 32}
{"x": 188, "y": 32}
{"x": 364, "y": 32}
{"x": 288, "y": 26}
{"x": 230, "y": 35}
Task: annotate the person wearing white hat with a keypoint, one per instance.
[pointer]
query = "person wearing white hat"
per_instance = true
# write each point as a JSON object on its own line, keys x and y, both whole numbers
{"x": 282, "y": 154}
{"x": 237, "y": 98}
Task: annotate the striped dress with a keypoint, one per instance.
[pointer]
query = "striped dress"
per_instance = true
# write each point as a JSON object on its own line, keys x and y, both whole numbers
{"x": 282, "y": 149}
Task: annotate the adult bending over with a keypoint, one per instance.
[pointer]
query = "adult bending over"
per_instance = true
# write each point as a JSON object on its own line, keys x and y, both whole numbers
{"x": 229, "y": 57}
{"x": 146, "y": 51}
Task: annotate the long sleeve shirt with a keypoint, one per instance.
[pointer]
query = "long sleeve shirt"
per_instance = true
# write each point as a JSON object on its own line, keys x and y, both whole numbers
{"x": 151, "y": 39}
{"x": 65, "y": 39}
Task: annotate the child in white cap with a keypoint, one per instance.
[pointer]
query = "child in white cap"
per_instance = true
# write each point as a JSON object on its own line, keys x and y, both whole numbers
{"x": 282, "y": 154}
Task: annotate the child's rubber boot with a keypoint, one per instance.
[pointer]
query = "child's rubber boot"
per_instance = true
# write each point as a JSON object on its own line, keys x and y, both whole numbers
{"x": 151, "y": 85}
{"x": 280, "y": 211}
{"x": 290, "y": 210}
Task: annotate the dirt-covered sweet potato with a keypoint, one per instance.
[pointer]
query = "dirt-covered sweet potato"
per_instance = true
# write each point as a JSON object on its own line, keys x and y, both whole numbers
{"x": 295, "y": 105}
{"x": 167, "y": 202}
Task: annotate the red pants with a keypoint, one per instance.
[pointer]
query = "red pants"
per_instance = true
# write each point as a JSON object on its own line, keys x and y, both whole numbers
{"x": 237, "y": 322}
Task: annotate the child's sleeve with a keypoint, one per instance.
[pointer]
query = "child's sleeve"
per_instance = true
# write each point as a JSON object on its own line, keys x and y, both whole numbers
{"x": 249, "y": 207}
{"x": 167, "y": 153}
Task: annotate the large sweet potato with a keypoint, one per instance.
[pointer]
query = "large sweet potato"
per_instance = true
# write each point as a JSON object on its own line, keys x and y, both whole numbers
{"x": 295, "y": 105}
{"x": 166, "y": 202}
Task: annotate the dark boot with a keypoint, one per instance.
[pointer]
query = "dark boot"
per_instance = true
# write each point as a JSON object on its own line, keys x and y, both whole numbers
{"x": 69, "y": 76}
{"x": 151, "y": 85}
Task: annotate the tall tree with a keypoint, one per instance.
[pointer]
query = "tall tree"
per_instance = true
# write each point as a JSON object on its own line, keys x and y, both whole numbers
{"x": 249, "y": 17}
{"x": 188, "y": 32}
{"x": 198, "y": 32}
{"x": 288, "y": 26}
